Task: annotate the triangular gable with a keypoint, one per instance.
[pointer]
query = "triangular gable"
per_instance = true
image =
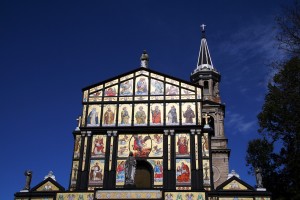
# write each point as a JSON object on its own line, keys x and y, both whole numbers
{"x": 47, "y": 185}
{"x": 140, "y": 72}
{"x": 124, "y": 87}
{"x": 234, "y": 184}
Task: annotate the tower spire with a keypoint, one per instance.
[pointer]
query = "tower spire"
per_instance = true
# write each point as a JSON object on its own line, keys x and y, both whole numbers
{"x": 204, "y": 59}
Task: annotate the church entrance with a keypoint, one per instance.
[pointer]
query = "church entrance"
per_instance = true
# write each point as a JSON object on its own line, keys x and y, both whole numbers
{"x": 144, "y": 174}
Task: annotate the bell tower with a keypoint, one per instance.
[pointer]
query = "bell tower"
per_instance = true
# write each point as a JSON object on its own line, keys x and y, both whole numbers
{"x": 209, "y": 78}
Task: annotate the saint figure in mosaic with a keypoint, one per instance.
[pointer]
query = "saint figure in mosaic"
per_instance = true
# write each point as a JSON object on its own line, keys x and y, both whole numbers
{"x": 142, "y": 87}
{"x": 92, "y": 118}
{"x": 109, "y": 116}
{"x": 183, "y": 173}
{"x": 189, "y": 114}
{"x": 140, "y": 116}
{"x": 156, "y": 115}
{"x": 125, "y": 116}
{"x": 172, "y": 115}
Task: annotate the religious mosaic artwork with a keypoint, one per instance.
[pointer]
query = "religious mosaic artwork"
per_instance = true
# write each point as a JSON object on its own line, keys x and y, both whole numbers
{"x": 187, "y": 94}
{"x": 188, "y": 114}
{"x": 48, "y": 186}
{"x": 172, "y": 113}
{"x": 93, "y": 118}
{"x": 172, "y": 89}
{"x": 184, "y": 195}
{"x": 206, "y": 172}
{"x": 234, "y": 185}
{"x": 98, "y": 146}
{"x": 141, "y": 85}
{"x": 140, "y": 114}
{"x": 142, "y": 145}
{"x": 125, "y": 113}
{"x": 74, "y": 174}
{"x": 73, "y": 196}
{"x": 205, "y": 145}
{"x": 84, "y": 152}
{"x": 157, "y": 113}
{"x": 96, "y": 172}
{"x": 111, "y": 91}
{"x": 83, "y": 115}
{"x": 109, "y": 112}
{"x": 120, "y": 172}
{"x": 182, "y": 145}
{"x": 128, "y": 194}
{"x": 123, "y": 145}
{"x": 183, "y": 175}
{"x": 158, "y": 171}
{"x": 262, "y": 198}
{"x": 96, "y": 96}
{"x": 126, "y": 88}
{"x": 77, "y": 146}
{"x": 38, "y": 198}
{"x": 85, "y": 96}
{"x": 157, "y": 87}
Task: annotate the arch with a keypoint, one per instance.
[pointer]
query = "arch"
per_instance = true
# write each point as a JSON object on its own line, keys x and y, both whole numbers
{"x": 144, "y": 174}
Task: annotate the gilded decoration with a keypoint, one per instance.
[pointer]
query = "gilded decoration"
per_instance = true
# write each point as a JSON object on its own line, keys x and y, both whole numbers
{"x": 206, "y": 172}
{"x": 234, "y": 185}
{"x": 75, "y": 195}
{"x": 128, "y": 194}
{"x": 48, "y": 186}
{"x": 74, "y": 173}
{"x": 184, "y": 195}
{"x": 205, "y": 145}
{"x": 77, "y": 145}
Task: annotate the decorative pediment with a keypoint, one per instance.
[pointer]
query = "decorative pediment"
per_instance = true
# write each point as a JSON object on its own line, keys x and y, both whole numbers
{"x": 48, "y": 185}
{"x": 234, "y": 184}
{"x": 135, "y": 98}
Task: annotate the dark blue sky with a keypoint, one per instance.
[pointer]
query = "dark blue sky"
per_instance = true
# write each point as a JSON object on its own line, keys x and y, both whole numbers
{"x": 50, "y": 50}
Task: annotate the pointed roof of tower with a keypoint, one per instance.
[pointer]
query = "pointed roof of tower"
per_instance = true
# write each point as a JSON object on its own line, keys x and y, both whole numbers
{"x": 204, "y": 58}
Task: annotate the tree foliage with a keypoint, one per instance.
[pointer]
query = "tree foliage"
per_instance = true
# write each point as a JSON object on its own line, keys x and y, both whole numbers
{"x": 289, "y": 29}
{"x": 277, "y": 152}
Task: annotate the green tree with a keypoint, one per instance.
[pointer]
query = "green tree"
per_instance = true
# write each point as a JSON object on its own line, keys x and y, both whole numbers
{"x": 278, "y": 152}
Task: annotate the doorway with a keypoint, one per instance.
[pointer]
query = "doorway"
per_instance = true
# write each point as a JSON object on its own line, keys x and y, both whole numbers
{"x": 144, "y": 174}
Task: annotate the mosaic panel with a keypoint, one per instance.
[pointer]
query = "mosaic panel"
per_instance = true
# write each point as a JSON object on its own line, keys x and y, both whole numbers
{"x": 109, "y": 112}
{"x": 182, "y": 145}
{"x": 172, "y": 113}
{"x": 93, "y": 118}
{"x": 98, "y": 146}
{"x": 188, "y": 113}
{"x": 157, "y": 113}
{"x": 183, "y": 175}
{"x": 96, "y": 172}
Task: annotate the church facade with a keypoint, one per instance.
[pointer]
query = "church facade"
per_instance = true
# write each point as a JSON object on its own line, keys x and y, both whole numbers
{"x": 173, "y": 128}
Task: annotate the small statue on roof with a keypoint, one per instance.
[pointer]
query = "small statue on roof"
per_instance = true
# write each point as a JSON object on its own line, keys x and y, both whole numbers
{"x": 258, "y": 172}
{"x": 28, "y": 175}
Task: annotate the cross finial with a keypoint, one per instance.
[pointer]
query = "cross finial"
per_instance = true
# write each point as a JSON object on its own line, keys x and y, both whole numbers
{"x": 203, "y": 27}
{"x": 206, "y": 117}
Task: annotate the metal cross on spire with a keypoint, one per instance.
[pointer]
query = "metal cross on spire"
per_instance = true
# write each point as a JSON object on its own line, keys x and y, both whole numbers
{"x": 203, "y": 27}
